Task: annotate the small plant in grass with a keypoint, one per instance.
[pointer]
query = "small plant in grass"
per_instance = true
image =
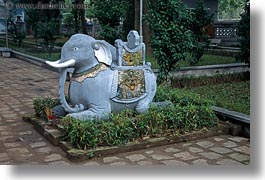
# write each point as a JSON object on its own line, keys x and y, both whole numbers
{"x": 41, "y": 104}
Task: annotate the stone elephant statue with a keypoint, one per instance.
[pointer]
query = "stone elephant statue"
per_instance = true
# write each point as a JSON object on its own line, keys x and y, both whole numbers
{"x": 98, "y": 86}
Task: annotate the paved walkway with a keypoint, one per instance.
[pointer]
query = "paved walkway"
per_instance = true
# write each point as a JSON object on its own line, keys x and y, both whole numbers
{"x": 21, "y": 82}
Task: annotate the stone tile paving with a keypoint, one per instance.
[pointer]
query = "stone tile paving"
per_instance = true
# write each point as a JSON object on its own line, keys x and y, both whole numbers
{"x": 21, "y": 82}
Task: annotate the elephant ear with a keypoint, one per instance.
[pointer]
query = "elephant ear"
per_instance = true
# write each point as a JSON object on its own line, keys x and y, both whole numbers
{"x": 102, "y": 52}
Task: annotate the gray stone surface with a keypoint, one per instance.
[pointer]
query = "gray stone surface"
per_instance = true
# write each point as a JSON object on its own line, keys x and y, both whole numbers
{"x": 91, "y": 163}
{"x": 37, "y": 144}
{"x": 242, "y": 149}
{"x": 195, "y": 149}
{"x": 172, "y": 150}
{"x": 221, "y": 150}
{"x": 135, "y": 157}
{"x": 3, "y": 157}
{"x": 144, "y": 163}
{"x": 118, "y": 163}
{"x": 184, "y": 156}
{"x": 218, "y": 139}
{"x": 238, "y": 139}
{"x": 239, "y": 157}
{"x": 229, "y": 144}
{"x": 110, "y": 159}
{"x": 52, "y": 157}
{"x": 211, "y": 155}
{"x": 228, "y": 162}
{"x": 200, "y": 162}
{"x": 174, "y": 163}
{"x": 205, "y": 144}
{"x": 161, "y": 157}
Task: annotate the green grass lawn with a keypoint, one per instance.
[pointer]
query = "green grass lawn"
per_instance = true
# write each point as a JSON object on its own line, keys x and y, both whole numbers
{"x": 233, "y": 96}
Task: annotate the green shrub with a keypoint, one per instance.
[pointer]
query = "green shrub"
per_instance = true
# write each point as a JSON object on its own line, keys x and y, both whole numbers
{"x": 40, "y": 104}
{"x": 180, "y": 97}
{"x": 188, "y": 113}
{"x": 109, "y": 15}
{"x": 171, "y": 39}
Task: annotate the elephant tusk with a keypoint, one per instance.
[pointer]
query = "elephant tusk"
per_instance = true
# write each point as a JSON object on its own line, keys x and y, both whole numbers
{"x": 55, "y": 64}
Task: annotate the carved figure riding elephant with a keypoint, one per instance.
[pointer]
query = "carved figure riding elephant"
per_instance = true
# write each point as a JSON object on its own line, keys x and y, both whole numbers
{"x": 98, "y": 85}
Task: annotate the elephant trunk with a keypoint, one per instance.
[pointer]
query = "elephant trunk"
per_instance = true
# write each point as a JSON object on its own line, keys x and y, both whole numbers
{"x": 62, "y": 80}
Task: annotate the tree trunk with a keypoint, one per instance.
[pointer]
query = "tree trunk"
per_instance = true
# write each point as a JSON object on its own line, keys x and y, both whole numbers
{"x": 137, "y": 15}
{"x": 129, "y": 21}
{"x": 83, "y": 21}
{"x": 82, "y": 18}
{"x": 145, "y": 28}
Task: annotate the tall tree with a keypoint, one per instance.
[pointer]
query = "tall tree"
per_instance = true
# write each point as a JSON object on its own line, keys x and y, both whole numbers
{"x": 110, "y": 13}
{"x": 243, "y": 32}
{"x": 128, "y": 23}
{"x": 230, "y": 9}
{"x": 79, "y": 15}
{"x": 171, "y": 39}
{"x": 200, "y": 19}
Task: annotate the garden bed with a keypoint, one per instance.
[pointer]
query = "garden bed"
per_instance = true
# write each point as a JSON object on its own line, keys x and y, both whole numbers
{"x": 54, "y": 134}
{"x": 187, "y": 117}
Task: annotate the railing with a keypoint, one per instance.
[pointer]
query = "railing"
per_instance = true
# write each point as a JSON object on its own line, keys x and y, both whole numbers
{"x": 226, "y": 31}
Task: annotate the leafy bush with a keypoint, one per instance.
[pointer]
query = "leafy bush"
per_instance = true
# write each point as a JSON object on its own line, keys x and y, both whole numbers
{"x": 200, "y": 19}
{"x": 40, "y": 104}
{"x": 180, "y": 97}
{"x": 109, "y": 15}
{"x": 171, "y": 37}
{"x": 188, "y": 113}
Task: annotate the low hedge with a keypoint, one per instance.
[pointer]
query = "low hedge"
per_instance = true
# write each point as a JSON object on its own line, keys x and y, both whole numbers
{"x": 127, "y": 126}
{"x": 188, "y": 113}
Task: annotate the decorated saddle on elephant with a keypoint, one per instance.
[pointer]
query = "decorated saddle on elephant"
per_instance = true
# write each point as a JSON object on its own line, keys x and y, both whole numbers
{"x": 104, "y": 78}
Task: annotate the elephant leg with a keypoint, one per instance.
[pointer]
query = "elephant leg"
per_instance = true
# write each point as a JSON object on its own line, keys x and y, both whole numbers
{"x": 92, "y": 113}
{"x": 142, "y": 106}
{"x": 59, "y": 111}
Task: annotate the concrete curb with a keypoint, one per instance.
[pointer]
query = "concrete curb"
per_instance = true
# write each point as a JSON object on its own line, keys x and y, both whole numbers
{"x": 209, "y": 70}
{"x": 33, "y": 60}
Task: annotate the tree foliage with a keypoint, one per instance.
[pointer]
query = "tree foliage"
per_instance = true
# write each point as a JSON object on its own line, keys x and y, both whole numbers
{"x": 200, "y": 19}
{"x": 230, "y": 9}
{"x": 109, "y": 14}
{"x": 243, "y": 32}
{"x": 172, "y": 39}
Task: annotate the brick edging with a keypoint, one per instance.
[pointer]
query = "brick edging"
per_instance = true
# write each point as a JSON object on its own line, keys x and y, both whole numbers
{"x": 54, "y": 136}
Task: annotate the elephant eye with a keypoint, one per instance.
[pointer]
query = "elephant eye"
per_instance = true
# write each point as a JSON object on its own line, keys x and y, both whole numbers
{"x": 75, "y": 48}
